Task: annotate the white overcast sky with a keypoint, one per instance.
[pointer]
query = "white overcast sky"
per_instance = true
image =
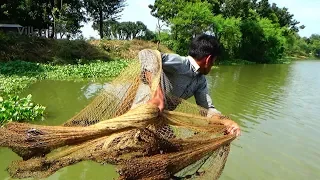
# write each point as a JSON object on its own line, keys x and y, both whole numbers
{"x": 305, "y": 11}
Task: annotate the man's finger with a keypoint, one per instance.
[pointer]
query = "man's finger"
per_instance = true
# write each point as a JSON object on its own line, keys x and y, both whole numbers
{"x": 238, "y": 132}
{"x": 229, "y": 129}
{"x": 234, "y": 129}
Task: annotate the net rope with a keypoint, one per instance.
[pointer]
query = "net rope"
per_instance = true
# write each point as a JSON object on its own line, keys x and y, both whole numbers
{"x": 119, "y": 127}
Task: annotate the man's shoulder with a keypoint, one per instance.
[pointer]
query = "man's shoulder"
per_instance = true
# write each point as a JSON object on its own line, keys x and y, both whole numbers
{"x": 172, "y": 61}
{"x": 173, "y": 56}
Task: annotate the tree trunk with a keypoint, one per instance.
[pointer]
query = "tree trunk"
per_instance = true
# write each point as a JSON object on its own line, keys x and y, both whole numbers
{"x": 101, "y": 24}
{"x": 53, "y": 30}
{"x": 52, "y": 35}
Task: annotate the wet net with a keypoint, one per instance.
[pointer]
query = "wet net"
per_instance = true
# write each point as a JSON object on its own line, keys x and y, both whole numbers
{"x": 119, "y": 127}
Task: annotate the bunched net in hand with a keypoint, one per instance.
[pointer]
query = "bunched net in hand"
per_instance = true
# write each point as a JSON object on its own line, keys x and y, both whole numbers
{"x": 121, "y": 128}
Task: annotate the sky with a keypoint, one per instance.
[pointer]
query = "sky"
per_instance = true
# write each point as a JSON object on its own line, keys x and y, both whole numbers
{"x": 307, "y": 12}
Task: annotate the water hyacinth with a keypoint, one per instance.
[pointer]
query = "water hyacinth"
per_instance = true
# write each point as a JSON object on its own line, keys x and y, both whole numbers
{"x": 15, "y": 76}
{"x": 14, "y": 108}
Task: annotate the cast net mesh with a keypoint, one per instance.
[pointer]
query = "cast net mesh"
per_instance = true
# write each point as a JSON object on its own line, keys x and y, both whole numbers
{"x": 121, "y": 128}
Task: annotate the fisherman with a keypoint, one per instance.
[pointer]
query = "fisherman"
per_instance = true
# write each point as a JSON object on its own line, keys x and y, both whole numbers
{"x": 184, "y": 77}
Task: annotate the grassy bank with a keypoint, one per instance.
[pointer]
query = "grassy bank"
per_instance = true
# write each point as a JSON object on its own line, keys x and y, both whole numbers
{"x": 52, "y": 51}
{"x": 25, "y": 60}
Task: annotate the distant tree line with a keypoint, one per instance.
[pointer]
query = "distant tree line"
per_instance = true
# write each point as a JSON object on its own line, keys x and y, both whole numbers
{"x": 247, "y": 29}
{"x": 65, "y": 16}
{"x": 125, "y": 30}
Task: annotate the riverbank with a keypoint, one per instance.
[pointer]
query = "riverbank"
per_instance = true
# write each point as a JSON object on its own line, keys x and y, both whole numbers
{"x": 62, "y": 51}
{"x": 284, "y": 60}
{"x": 15, "y": 76}
{"x": 25, "y": 60}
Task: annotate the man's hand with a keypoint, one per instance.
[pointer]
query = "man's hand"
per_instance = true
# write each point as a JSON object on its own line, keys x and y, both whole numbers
{"x": 232, "y": 127}
{"x": 213, "y": 112}
{"x": 158, "y": 99}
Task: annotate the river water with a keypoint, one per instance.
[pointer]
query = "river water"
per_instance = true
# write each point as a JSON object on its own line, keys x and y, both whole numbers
{"x": 276, "y": 106}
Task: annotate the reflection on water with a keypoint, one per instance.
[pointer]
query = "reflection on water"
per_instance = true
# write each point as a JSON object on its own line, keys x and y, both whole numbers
{"x": 63, "y": 99}
{"x": 276, "y": 106}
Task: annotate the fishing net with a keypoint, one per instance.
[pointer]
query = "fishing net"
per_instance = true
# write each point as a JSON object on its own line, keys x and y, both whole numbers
{"x": 120, "y": 127}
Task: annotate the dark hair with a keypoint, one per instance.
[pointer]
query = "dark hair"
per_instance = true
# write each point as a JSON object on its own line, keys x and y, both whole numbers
{"x": 204, "y": 45}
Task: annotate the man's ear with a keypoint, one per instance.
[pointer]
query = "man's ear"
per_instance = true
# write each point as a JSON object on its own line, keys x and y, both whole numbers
{"x": 208, "y": 60}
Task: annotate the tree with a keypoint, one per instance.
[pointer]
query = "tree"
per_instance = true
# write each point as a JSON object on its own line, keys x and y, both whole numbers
{"x": 35, "y": 13}
{"x": 193, "y": 19}
{"x": 125, "y": 30}
{"x": 139, "y": 29}
{"x": 104, "y": 10}
{"x": 262, "y": 41}
{"x": 168, "y": 9}
{"x": 228, "y": 33}
{"x": 235, "y": 8}
{"x": 315, "y": 44}
{"x": 252, "y": 45}
{"x": 68, "y": 17}
{"x": 42, "y": 14}
{"x": 277, "y": 15}
{"x": 253, "y": 30}
{"x": 148, "y": 35}
{"x": 274, "y": 40}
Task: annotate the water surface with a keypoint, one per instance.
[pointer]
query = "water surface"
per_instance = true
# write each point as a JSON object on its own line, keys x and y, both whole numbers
{"x": 276, "y": 105}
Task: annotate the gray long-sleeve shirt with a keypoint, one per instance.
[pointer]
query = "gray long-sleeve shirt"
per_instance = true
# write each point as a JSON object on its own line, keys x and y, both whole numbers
{"x": 182, "y": 79}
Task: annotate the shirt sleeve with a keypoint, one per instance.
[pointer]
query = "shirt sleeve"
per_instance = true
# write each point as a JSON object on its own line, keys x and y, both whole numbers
{"x": 202, "y": 96}
{"x": 172, "y": 63}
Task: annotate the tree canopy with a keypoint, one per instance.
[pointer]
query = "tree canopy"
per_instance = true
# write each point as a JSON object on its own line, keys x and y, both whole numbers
{"x": 258, "y": 31}
{"x": 246, "y": 29}
{"x": 65, "y": 16}
{"x": 125, "y": 30}
{"x": 101, "y": 10}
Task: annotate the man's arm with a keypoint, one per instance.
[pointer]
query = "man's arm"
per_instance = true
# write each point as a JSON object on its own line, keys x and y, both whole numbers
{"x": 171, "y": 63}
{"x": 158, "y": 97}
{"x": 149, "y": 66}
{"x": 204, "y": 100}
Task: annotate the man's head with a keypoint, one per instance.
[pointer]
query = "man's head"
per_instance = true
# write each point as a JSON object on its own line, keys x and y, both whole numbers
{"x": 205, "y": 50}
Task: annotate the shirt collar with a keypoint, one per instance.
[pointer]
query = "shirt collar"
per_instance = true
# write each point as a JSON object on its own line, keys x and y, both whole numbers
{"x": 194, "y": 64}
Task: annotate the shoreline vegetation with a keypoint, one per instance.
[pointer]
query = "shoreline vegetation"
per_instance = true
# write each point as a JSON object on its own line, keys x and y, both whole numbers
{"x": 26, "y": 60}
{"x": 15, "y": 76}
